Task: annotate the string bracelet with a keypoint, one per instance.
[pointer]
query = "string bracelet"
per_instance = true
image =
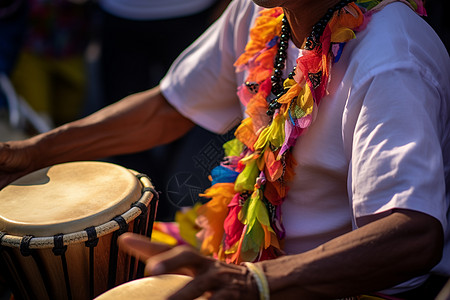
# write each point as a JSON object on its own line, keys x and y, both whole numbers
{"x": 261, "y": 280}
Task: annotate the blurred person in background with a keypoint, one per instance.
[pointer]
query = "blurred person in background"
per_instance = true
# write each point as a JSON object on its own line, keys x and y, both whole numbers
{"x": 50, "y": 73}
{"x": 12, "y": 27}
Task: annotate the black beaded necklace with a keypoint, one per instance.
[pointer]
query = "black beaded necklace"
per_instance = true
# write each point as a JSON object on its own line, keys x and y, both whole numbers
{"x": 312, "y": 42}
{"x": 280, "y": 57}
{"x": 314, "y": 38}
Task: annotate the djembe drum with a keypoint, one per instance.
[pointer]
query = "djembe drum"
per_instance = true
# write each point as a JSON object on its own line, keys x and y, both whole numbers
{"x": 59, "y": 228}
{"x": 155, "y": 288}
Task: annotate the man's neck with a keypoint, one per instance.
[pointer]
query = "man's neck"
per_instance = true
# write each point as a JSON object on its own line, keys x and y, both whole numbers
{"x": 302, "y": 16}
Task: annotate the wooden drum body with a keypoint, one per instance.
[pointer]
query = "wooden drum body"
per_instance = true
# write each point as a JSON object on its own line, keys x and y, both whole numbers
{"x": 59, "y": 229}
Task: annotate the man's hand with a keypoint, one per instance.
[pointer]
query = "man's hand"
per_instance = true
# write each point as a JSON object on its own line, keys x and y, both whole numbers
{"x": 215, "y": 278}
{"x": 16, "y": 160}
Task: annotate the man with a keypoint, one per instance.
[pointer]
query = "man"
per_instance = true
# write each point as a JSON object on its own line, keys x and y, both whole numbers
{"x": 367, "y": 209}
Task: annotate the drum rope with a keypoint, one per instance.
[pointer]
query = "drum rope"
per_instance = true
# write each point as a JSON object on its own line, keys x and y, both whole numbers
{"x": 21, "y": 289}
{"x": 7, "y": 262}
{"x": 153, "y": 207}
{"x": 26, "y": 251}
{"x": 113, "y": 256}
{"x": 2, "y": 234}
{"x": 141, "y": 206}
{"x": 92, "y": 242}
{"x": 60, "y": 250}
{"x": 142, "y": 175}
{"x": 150, "y": 217}
{"x": 25, "y": 245}
{"x": 139, "y": 228}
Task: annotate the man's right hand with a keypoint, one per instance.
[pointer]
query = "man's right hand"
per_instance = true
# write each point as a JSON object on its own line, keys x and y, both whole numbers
{"x": 16, "y": 160}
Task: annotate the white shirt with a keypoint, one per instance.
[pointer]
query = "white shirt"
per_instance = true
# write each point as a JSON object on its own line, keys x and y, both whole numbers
{"x": 381, "y": 139}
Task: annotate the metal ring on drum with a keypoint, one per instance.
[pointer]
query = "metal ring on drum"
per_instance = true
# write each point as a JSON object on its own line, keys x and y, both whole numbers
{"x": 59, "y": 228}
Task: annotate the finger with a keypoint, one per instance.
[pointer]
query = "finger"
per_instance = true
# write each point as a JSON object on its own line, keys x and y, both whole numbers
{"x": 218, "y": 283}
{"x": 140, "y": 246}
{"x": 179, "y": 259}
{"x": 15, "y": 162}
{"x": 6, "y": 178}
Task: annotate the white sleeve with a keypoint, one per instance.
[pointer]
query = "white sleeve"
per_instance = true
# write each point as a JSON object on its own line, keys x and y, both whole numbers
{"x": 397, "y": 149}
{"x": 201, "y": 84}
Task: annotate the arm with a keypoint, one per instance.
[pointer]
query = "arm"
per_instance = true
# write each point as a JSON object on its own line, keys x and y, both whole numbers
{"x": 136, "y": 123}
{"x": 379, "y": 255}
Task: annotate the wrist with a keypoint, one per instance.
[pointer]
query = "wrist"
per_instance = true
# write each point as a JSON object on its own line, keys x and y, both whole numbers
{"x": 38, "y": 151}
{"x": 258, "y": 280}
{"x": 57, "y": 146}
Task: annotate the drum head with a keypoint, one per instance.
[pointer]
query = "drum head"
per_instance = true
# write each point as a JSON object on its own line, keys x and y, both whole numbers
{"x": 66, "y": 198}
{"x": 154, "y": 287}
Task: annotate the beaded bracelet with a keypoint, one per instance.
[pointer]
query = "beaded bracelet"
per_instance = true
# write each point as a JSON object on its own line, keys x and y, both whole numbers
{"x": 261, "y": 280}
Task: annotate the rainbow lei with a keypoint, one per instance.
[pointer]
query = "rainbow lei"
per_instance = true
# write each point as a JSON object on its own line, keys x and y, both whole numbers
{"x": 242, "y": 221}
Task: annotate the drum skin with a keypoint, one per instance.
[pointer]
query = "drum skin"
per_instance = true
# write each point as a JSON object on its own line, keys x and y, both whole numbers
{"x": 65, "y": 199}
{"x": 154, "y": 287}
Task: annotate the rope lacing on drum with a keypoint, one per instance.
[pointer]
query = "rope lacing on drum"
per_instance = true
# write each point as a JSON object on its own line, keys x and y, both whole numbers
{"x": 142, "y": 207}
{"x": 148, "y": 189}
{"x": 60, "y": 250}
{"x": 2, "y": 234}
{"x": 92, "y": 237}
{"x": 155, "y": 193}
{"x": 141, "y": 223}
{"x": 140, "y": 175}
{"x": 26, "y": 251}
{"x": 25, "y": 245}
{"x": 123, "y": 227}
{"x": 92, "y": 242}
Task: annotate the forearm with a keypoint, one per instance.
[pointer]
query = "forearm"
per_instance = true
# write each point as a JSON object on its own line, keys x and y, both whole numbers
{"x": 136, "y": 123}
{"x": 377, "y": 256}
